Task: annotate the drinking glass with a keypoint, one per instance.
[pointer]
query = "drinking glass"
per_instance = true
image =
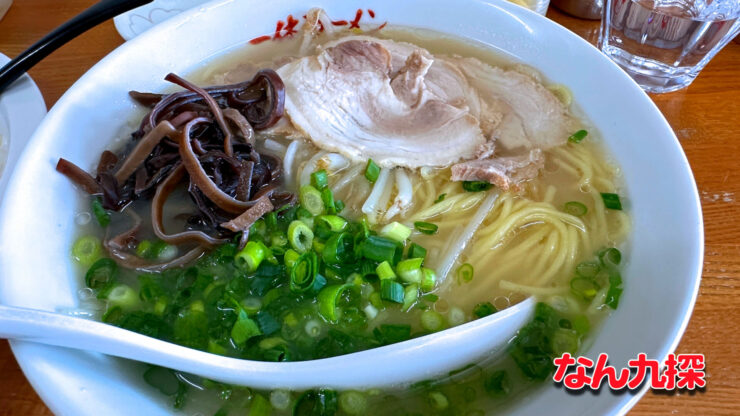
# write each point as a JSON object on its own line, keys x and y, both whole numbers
{"x": 664, "y": 44}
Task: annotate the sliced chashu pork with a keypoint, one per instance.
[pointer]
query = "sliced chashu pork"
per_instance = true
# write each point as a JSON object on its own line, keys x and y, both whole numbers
{"x": 401, "y": 106}
{"x": 519, "y": 112}
{"x": 506, "y": 172}
{"x": 522, "y": 116}
{"x": 358, "y": 99}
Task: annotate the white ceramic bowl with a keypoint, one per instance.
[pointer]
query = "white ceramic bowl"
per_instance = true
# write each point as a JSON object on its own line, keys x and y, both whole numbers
{"x": 37, "y": 219}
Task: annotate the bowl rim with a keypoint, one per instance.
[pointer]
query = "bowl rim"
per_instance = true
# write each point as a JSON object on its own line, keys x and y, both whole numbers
{"x": 622, "y": 405}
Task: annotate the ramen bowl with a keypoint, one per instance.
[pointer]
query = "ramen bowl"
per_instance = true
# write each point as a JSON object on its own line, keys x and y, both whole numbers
{"x": 37, "y": 218}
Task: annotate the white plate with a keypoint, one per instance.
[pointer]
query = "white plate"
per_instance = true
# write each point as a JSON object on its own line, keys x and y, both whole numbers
{"x": 21, "y": 109}
{"x": 137, "y": 21}
{"x": 665, "y": 256}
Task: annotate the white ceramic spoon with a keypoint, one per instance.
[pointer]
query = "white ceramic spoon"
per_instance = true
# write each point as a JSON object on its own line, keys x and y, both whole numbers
{"x": 405, "y": 362}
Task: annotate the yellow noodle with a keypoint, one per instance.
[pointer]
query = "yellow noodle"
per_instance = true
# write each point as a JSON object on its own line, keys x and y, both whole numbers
{"x": 549, "y": 194}
{"x": 526, "y": 245}
{"x": 459, "y": 203}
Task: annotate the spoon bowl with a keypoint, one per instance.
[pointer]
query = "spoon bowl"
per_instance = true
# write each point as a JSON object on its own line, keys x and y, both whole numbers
{"x": 359, "y": 370}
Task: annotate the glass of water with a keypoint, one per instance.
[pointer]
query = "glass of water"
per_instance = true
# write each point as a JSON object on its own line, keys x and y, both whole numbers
{"x": 663, "y": 44}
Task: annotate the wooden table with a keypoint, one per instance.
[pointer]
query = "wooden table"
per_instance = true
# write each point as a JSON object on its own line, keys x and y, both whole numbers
{"x": 706, "y": 118}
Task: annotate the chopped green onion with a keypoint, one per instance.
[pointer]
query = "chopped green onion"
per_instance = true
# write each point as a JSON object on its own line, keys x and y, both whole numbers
{"x": 280, "y": 399}
{"x": 484, "y": 309}
{"x": 381, "y": 249}
{"x": 87, "y": 249}
{"x": 584, "y": 287}
{"x": 290, "y": 258}
{"x": 162, "y": 379}
{"x": 318, "y": 246}
{"x": 390, "y": 334}
{"x": 370, "y": 311}
{"x": 417, "y": 251}
{"x": 611, "y": 201}
{"x": 335, "y": 223}
{"x": 271, "y": 220}
{"x": 430, "y": 297}
{"x": 313, "y": 328}
{"x": 432, "y": 321}
{"x": 300, "y": 236}
{"x": 258, "y": 229}
{"x": 372, "y": 171}
{"x": 311, "y": 199}
{"x": 476, "y": 186}
{"x": 260, "y": 406}
{"x": 339, "y": 205}
{"x": 396, "y": 231}
{"x": 564, "y": 340}
{"x": 327, "y": 197}
{"x": 410, "y": 270}
{"x": 180, "y": 396}
{"x": 166, "y": 252}
{"x": 391, "y": 291}
{"x": 581, "y": 324}
{"x": 320, "y": 179}
{"x": 252, "y": 305}
{"x": 318, "y": 283}
{"x": 426, "y": 227}
{"x": 147, "y": 249}
{"x": 197, "y": 306}
{"x": 376, "y": 300}
{"x": 328, "y": 298}
{"x": 410, "y": 296}
{"x": 144, "y": 249}
{"x": 303, "y": 215}
{"x": 612, "y": 296}
{"x": 611, "y": 257}
{"x": 112, "y": 315}
{"x": 438, "y": 401}
{"x": 278, "y": 240}
{"x": 124, "y": 297}
{"x": 575, "y": 208}
{"x": 244, "y": 328}
{"x": 440, "y": 198}
{"x": 270, "y": 343}
{"x": 316, "y": 403}
{"x": 615, "y": 279}
{"x": 578, "y": 136}
{"x": 337, "y": 248}
{"x": 385, "y": 271}
{"x": 251, "y": 256}
{"x": 565, "y": 323}
{"x": 303, "y": 273}
{"x": 456, "y": 316}
{"x": 465, "y": 273}
{"x": 497, "y": 384}
{"x": 160, "y": 306}
{"x": 588, "y": 269}
{"x": 352, "y": 403}
{"x": 101, "y": 274}
{"x": 428, "y": 279}
{"x": 101, "y": 215}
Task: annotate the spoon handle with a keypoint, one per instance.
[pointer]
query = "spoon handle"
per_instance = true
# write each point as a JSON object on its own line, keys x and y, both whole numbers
{"x": 79, "y": 24}
{"x": 67, "y": 331}
{"x": 55, "y": 329}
